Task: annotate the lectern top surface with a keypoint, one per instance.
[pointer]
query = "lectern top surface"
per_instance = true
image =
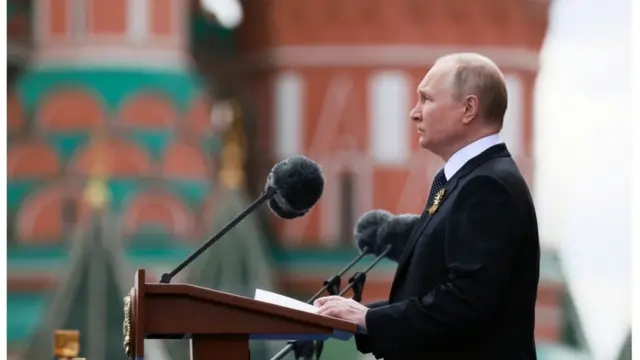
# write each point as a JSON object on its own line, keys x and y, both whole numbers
{"x": 193, "y": 291}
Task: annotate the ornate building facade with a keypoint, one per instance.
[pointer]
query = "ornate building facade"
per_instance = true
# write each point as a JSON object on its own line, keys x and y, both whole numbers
{"x": 106, "y": 122}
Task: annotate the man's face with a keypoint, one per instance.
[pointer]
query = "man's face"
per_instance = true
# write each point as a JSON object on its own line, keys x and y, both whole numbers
{"x": 437, "y": 115}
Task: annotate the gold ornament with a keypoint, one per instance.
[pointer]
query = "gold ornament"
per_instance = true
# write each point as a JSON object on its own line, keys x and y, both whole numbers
{"x": 66, "y": 343}
{"x": 228, "y": 121}
{"x": 127, "y": 329}
{"x": 436, "y": 202}
{"x": 96, "y": 192}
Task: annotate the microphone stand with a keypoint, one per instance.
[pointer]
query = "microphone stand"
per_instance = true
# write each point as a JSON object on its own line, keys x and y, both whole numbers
{"x": 332, "y": 286}
{"x": 356, "y": 282}
{"x": 268, "y": 193}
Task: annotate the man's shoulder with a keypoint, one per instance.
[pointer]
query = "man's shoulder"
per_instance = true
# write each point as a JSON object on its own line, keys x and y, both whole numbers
{"x": 503, "y": 169}
{"x": 498, "y": 171}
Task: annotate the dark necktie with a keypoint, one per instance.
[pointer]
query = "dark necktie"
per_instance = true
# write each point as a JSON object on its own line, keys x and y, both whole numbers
{"x": 438, "y": 184}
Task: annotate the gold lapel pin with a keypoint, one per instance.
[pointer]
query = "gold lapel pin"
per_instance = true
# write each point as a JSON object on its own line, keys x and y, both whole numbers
{"x": 436, "y": 202}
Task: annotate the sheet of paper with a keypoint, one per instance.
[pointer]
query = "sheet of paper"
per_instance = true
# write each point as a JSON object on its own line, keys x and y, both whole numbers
{"x": 277, "y": 299}
{"x": 281, "y": 300}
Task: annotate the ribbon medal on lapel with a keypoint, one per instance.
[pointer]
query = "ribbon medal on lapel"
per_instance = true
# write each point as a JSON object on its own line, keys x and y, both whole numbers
{"x": 436, "y": 202}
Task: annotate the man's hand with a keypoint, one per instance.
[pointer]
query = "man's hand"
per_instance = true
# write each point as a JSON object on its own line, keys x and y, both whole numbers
{"x": 341, "y": 308}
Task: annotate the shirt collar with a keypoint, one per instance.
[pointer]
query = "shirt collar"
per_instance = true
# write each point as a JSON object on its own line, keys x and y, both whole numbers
{"x": 457, "y": 161}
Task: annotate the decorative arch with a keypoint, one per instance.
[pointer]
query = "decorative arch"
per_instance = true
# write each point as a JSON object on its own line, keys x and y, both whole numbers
{"x": 198, "y": 116}
{"x": 15, "y": 113}
{"x": 40, "y": 218}
{"x": 71, "y": 109}
{"x": 158, "y": 207}
{"x": 184, "y": 161}
{"x": 148, "y": 110}
{"x": 117, "y": 157}
{"x": 32, "y": 159}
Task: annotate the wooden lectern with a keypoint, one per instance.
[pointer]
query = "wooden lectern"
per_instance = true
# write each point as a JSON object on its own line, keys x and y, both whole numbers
{"x": 219, "y": 324}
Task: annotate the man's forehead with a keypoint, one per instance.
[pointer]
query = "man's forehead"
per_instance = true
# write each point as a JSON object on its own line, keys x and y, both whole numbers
{"x": 439, "y": 71}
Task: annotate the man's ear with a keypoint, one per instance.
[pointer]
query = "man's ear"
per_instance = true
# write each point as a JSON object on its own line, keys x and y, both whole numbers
{"x": 470, "y": 109}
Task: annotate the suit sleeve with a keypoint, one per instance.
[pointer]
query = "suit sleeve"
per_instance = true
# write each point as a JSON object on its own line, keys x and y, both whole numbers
{"x": 362, "y": 340}
{"x": 480, "y": 247}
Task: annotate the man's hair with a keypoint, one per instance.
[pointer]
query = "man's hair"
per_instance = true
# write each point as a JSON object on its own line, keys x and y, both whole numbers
{"x": 479, "y": 76}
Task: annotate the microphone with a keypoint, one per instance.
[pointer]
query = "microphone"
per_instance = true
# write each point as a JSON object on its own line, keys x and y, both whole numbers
{"x": 377, "y": 232}
{"x": 356, "y": 283}
{"x": 366, "y": 228}
{"x": 394, "y": 235}
{"x": 365, "y": 235}
{"x": 293, "y": 186}
{"x": 299, "y": 183}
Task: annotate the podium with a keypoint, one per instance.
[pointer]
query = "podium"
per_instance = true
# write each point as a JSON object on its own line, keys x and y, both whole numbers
{"x": 219, "y": 325}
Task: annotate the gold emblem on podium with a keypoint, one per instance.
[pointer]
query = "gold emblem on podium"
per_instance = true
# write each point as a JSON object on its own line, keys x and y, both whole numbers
{"x": 127, "y": 328}
{"x": 436, "y": 202}
{"x": 66, "y": 344}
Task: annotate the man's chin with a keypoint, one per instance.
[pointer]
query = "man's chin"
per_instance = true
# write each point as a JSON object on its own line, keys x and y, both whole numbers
{"x": 423, "y": 142}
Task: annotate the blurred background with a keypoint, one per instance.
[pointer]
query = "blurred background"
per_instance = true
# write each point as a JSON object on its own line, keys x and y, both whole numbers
{"x": 137, "y": 128}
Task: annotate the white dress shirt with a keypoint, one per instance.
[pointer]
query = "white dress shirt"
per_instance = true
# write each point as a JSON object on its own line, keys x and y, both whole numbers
{"x": 457, "y": 161}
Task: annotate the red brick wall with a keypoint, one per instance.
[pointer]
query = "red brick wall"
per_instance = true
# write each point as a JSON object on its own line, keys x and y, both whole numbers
{"x": 328, "y": 43}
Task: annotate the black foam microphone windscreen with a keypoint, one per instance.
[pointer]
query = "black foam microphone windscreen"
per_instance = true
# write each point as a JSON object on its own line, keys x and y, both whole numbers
{"x": 293, "y": 187}
{"x": 396, "y": 232}
{"x": 299, "y": 183}
{"x": 365, "y": 232}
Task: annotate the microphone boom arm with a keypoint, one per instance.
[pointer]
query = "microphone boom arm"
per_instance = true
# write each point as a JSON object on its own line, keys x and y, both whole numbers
{"x": 332, "y": 284}
{"x": 268, "y": 193}
{"x": 356, "y": 282}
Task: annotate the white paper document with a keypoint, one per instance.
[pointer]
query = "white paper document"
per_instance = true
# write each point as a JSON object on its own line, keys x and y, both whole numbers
{"x": 281, "y": 300}
{"x": 285, "y": 301}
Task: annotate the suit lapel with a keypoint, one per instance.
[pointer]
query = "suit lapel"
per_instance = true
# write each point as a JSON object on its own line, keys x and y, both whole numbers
{"x": 495, "y": 151}
{"x": 422, "y": 222}
{"x": 419, "y": 229}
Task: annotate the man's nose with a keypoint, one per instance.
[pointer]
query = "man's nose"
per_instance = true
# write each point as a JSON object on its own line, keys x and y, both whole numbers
{"x": 414, "y": 114}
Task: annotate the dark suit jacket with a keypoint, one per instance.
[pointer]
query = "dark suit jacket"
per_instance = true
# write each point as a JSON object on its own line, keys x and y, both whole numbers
{"x": 466, "y": 283}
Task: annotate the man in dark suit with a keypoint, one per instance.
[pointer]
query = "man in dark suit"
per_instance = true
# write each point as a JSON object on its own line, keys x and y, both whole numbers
{"x": 466, "y": 284}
